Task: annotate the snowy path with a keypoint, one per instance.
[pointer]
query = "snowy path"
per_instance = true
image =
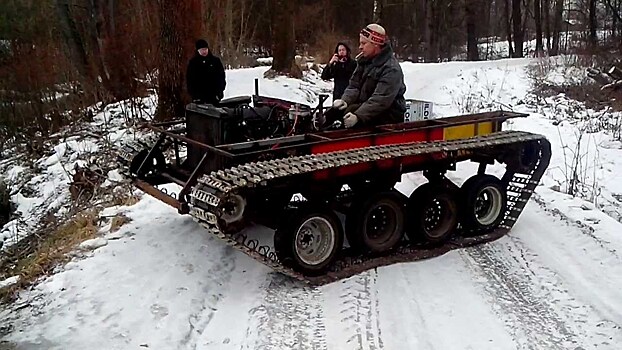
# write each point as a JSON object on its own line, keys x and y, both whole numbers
{"x": 549, "y": 284}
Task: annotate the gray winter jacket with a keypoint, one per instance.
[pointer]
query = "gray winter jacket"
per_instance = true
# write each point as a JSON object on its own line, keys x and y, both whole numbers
{"x": 378, "y": 86}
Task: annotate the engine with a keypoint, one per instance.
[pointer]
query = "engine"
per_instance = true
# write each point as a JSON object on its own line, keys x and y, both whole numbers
{"x": 264, "y": 121}
{"x": 235, "y": 120}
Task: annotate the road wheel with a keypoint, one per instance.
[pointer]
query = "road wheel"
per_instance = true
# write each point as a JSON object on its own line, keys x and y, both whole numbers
{"x": 433, "y": 213}
{"x": 484, "y": 203}
{"x": 376, "y": 224}
{"x": 308, "y": 240}
{"x": 523, "y": 159}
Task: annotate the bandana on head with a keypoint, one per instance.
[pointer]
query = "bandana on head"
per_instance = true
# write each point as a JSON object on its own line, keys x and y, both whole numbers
{"x": 373, "y": 36}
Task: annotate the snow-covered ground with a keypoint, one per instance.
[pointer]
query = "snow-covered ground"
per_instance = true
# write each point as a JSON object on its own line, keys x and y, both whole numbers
{"x": 554, "y": 282}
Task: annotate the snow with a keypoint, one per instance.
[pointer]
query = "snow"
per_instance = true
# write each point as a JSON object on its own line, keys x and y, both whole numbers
{"x": 265, "y": 60}
{"x": 491, "y": 48}
{"x": 46, "y": 188}
{"x": 9, "y": 282}
{"x": 93, "y": 244}
{"x": 161, "y": 282}
{"x": 241, "y": 82}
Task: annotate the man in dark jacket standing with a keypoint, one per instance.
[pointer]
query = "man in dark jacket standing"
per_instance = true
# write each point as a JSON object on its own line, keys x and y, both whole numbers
{"x": 205, "y": 76}
{"x": 340, "y": 68}
{"x": 375, "y": 94}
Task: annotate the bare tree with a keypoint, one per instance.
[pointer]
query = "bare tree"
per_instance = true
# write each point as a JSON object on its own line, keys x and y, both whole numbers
{"x": 180, "y": 25}
{"x": 537, "y": 13}
{"x": 284, "y": 44}
{"x": 517, "y": 28}
{"x": 378, "y": 7}
{"x": 593, "y": 24}
{"x": 557, "y": 27}
{"x": 547, "y": 23}
{"x": 471, "y": 7}
{"x": 508, "y": 27}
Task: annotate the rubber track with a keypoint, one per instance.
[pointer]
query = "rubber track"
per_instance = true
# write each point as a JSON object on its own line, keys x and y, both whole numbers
{"x": 213, "y": 189}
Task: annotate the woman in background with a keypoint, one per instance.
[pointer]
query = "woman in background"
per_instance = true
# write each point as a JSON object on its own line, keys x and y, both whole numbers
{"x": 340, "y": 68}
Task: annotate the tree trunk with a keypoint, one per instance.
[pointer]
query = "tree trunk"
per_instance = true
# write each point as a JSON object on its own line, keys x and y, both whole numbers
{"x": 557, "y": 26}
{"x": 378, "y": 7}
{"x": 547, "y": 23}
{"x": 229, "y": 18}
{"x": 538, "y": 19}
{"x": 418, "y": 32}
{"x": 284, "y": 40}
{"x": 100, "y": 34}
{"x": 472, "y": 49}
{"x": 180, "y": 26}
{"x": 618, "y": 20}
{"x": 427, "y": 29}
{"x": 614, "y": 23}
{"x": 592, "y": 15}
{"x": 517, "y": 26}
{"x": 508, "y": 27}
{"x": 431, "y": 37}
{"x": 74, "y": 41}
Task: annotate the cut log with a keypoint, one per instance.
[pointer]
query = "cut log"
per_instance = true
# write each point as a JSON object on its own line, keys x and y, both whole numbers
{"x": 614, "y": 86}
{"x": 592, "y": 70}
{"x": 615, "y": 73}
{"x": 600, "y": 77}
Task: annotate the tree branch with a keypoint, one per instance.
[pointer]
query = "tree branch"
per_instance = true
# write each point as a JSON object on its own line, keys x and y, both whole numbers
{"x": 613, "y": 10}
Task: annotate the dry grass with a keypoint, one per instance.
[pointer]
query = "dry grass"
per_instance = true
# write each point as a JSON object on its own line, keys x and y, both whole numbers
{"x": 51, "y": 251}
{"x": 118, "y": 221}
{"x": 50, "y": 247}
{"x": 123, "y": 196}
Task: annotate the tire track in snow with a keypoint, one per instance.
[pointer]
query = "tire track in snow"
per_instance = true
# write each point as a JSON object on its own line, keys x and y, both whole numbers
{"x": 529, "y": 308}
{"x": 289, "y": 317}
{"x": 217, "y": 276}
{"x": 582, "y": 255}
{"x": 587, "y": 230}
{"x": 360, "y": 312}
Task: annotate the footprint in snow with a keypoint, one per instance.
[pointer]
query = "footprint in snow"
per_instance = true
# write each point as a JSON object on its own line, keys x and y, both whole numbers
{"x": 159, "y": 311}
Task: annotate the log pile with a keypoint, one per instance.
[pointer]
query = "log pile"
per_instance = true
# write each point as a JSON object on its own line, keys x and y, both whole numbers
{"x": 611, "y": 79}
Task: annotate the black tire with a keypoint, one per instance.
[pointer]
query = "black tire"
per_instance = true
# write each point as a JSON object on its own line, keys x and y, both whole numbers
{"x": 157, "y": 163}
{"x": 291, "y": 240}
{"x": 376, "y": 224}
{"x": 484, "y": 202}
{"x": 434, "y": 213}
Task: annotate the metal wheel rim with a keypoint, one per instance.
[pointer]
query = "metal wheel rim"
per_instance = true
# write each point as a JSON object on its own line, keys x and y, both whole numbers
{"x": 488, "y": 205}
{"x": 315, "y": 240}
{"x": 233, "y": 209}
{"x": 381, "y": 223}
{"x": 436, "y": 217}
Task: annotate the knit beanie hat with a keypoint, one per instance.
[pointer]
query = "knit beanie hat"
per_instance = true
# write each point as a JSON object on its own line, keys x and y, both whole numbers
{"x": 201, "y": 44}
{"x": 374, "y": 33}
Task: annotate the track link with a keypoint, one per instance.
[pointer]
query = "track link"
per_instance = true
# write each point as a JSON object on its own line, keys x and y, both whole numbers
{"x": 129, "y": 149}
{"x": 214, "y": 189}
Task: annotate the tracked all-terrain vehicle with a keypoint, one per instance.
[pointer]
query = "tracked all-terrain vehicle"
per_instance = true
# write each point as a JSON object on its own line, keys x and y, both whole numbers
{"x": 260, "y": 160}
